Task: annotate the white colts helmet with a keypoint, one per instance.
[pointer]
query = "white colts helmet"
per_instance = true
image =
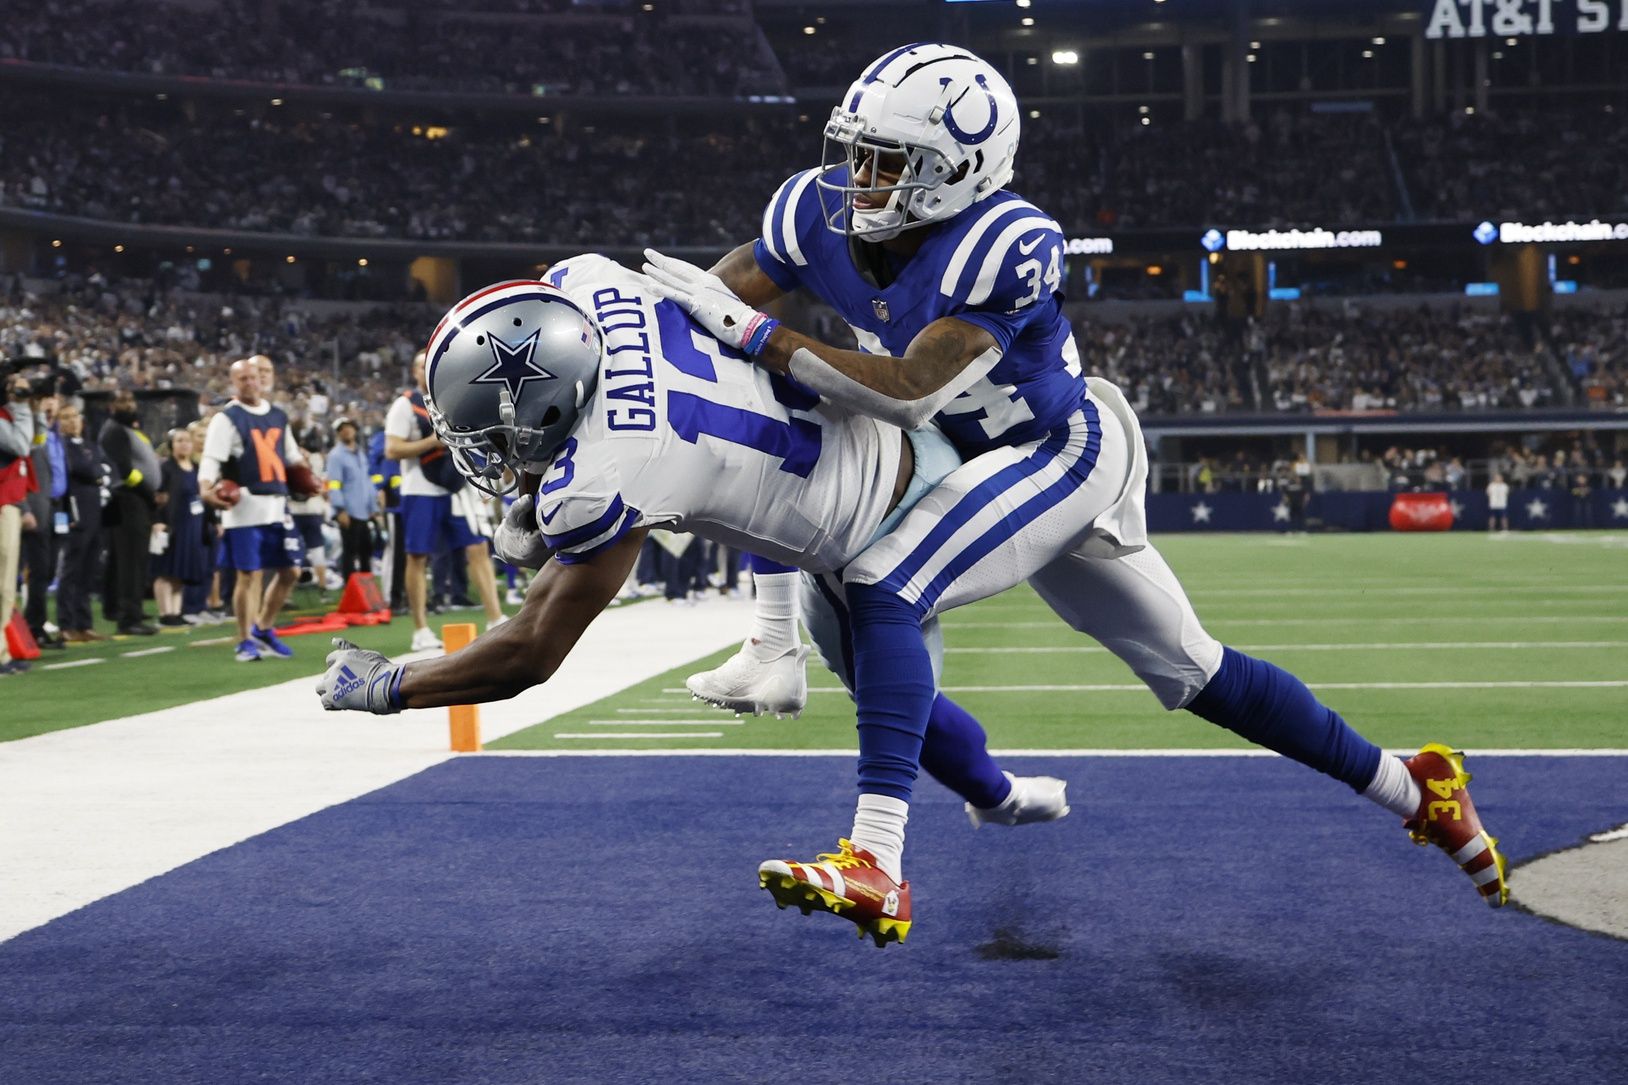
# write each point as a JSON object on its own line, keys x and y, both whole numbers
{"x": 951, "y": 117}
{"x": 506, "y": 373}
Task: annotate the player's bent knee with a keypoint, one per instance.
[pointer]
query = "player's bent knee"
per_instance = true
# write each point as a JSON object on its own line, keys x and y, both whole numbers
{"x": 1176, "y": 679}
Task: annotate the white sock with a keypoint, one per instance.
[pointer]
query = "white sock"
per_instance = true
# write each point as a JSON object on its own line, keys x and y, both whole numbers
{"x": 879, "y": 829}
{"x": 1394, "y": 788}
{"x": 774, "y": 623}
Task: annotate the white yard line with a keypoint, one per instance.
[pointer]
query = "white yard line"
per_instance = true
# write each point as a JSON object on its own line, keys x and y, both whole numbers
{"x": 633, "y": 735}
{"x": 951, "y": 623}
{"x": 664, "y": 723}
{"x": 718, "y": 751}
{"x": 1383, "y": 646}
{"x": 1137, "y": 687}
{"x": 90, "y": 811}
{"x": 73, "y": 663}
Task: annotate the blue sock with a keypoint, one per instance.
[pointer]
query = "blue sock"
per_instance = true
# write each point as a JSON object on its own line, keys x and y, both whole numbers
{"x": 893, "y": 680}
{"x": 1272, "y": 708}
{"x": 765, "y": 565}
{"x": 956, "y": 754}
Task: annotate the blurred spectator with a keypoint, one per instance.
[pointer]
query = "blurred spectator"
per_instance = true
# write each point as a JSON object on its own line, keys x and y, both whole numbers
{"x": 1497, "y": 504}
{"x": 136, "y": 471}
{"x": 182, "y": 559}
{"x": 39, "y": 540}
{"x": 88, "y": 476}
{"x": 16, "y": 482}
{"x": 354, "y": 499}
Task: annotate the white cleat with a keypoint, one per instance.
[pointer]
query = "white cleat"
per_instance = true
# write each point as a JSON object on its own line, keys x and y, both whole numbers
{"x": 745, "y": 683}
{"x": 1033, "y": 798}
{"x": 425, "y": 640}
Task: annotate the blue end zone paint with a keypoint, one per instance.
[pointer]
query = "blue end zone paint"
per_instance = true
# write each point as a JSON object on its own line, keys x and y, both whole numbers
{"x": 566, "y": 920}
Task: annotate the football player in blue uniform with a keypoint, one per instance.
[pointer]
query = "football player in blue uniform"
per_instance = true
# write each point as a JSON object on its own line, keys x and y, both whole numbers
{"x": 950, "y": 283}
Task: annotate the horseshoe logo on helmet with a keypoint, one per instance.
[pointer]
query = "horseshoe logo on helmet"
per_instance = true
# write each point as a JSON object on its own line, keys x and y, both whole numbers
{"x": 971, "y": 139}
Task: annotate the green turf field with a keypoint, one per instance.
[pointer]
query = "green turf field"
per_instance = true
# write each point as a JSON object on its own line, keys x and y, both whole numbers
{"x": 65, "y": 689}
{"x": 1473, "y": 616}
{"x": 1466, "y": 613}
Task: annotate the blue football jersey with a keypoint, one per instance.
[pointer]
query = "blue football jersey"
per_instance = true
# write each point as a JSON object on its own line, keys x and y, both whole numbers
{"x": 998, "y": 265}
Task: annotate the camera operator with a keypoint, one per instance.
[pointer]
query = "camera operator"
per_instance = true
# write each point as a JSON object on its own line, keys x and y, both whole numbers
{"x": 16, "y": 483}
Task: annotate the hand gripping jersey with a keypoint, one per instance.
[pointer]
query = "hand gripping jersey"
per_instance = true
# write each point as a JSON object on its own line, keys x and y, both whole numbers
{"x": 682, "y": 432}
{"x": 997, "y": 264}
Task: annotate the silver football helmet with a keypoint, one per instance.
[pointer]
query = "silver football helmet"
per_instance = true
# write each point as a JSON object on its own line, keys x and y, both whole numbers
{"x": 506, "y": 373}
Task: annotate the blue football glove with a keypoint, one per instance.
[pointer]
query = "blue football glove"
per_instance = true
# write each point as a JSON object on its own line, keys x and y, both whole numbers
{"x": 360, "y": 680}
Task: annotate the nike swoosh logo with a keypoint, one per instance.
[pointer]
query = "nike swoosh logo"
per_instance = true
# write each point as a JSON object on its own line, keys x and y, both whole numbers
{"x": 1031, "y": 246}
{"x": 546, "y": 518}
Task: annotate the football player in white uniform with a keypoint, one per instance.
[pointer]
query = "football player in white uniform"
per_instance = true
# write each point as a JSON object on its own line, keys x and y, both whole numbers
{"x": 950, "y": 283}
{"x": 625, "y": 415}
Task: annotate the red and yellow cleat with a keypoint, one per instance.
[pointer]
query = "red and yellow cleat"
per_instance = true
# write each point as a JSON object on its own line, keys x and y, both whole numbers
{"x": 847, "y": 883}
{"x": 1447, "y": 819}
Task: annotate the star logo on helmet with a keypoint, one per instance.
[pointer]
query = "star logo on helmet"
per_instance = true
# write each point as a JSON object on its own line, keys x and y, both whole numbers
{"x": 513, "y": 365}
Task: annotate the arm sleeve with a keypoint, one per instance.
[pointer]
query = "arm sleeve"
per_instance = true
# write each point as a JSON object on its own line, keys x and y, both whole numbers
{"x": 17, "y": 435}
{"x": 116, "y": 445}
{"x": 1016, "y": 281}
{"x": 217, "y": 448}
{"x": 578, "y": 527}
{"x": 792, "y": 211}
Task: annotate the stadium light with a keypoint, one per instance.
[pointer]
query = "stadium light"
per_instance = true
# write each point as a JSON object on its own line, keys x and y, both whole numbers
{"x": 57, "y": 244}
{"x": 1254, "y": 45}
{"x": 1367, "y": 54}
{"x": 1027, "y": 20}
{"x": 1379, "y": 41}
{"x": 276, "y": 101}
{"x": 1065, "y": 56}
{"x": 808, "y": 30}
{"x": 1023, "y": 3}
{"x": 288, "y": 259}
{"x": 1251, "y": 58}
{"x": 118, "y": 248}
{"x": 1141, "y": 109}
{"x": 1147, "y": 121}
{"x": 1034, "y": 114}
{"x": 1147, "y": 56}
{"x": 361, "y": 261}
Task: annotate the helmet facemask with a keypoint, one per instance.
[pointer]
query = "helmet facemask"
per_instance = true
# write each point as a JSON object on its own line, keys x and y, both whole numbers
{"x": 492, "y": 458}
{"x": 897, "y": 206}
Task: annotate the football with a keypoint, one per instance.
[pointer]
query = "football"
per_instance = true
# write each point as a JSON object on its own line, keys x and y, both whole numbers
{"x": 302, "y": 481}
{"x": 228, "y": 493}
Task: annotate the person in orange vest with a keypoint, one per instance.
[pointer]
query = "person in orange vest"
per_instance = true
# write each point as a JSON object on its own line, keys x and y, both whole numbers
{"x": 248, "y": 443}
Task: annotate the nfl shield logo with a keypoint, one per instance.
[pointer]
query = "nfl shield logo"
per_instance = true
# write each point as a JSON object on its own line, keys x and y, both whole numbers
{"x": 881, "y": 309}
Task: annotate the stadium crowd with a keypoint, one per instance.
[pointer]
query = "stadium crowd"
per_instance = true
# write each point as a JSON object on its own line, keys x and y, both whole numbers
{"x": 1302, "y": 358}
{"x": 602, "y": 50}
{"x": 580, "y": 183}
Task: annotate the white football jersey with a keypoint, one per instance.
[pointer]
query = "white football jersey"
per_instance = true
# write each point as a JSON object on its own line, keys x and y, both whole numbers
{"x": 684, "y": 432}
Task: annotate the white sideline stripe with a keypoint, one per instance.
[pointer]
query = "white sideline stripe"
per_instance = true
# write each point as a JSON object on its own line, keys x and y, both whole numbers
{"x": 951, "y": 623}
{"x": 1129, "y": 687}
{"x": 72, "y": 663}
{"x": 666, "y": 711}
{"x": 1381, "y": 593}
{"x": 720, "y": 751}
{"x": 1365, "y": 647}
{"x": 640, "y": 734}
{"x": 1620, "y": 833}
{"x": 90, "y": 811}
{"x": 148, "y": 652}
{"x": 663, "y": 723}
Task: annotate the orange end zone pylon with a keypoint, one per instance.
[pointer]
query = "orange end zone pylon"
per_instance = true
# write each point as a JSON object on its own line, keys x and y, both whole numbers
{"x": 463, "y": 718}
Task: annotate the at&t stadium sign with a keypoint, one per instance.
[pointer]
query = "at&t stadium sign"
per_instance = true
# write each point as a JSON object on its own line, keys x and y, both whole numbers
{"x": 1523, "y": 18}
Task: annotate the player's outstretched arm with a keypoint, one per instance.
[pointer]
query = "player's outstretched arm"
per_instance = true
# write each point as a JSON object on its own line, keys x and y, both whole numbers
{"x": 941, "y": 362}
{"x": 522, "y": 652}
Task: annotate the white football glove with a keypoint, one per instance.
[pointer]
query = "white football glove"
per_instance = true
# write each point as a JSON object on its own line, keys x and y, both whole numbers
{"x": 360, "y": 680}
{"x": 705, "y": 297}
{"x": 517, "y": 539}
